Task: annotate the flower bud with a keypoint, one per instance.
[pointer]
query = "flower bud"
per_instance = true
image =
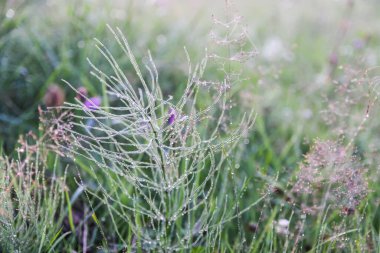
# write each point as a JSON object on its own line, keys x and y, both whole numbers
{"x": 54, "y": 96}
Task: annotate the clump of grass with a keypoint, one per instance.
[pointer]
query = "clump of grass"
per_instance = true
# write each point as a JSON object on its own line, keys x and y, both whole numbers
{"x": 160, "y": 165}
{"x": 30, "y": 203}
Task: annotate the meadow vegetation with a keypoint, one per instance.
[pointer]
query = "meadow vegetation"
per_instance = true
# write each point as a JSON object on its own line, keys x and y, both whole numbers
{"x": 160, "y": 126}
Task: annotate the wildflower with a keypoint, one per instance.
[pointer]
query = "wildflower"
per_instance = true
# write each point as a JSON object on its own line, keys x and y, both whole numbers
{"x": 359, "y": 44}
{"x": 93, "y": 103}
{"x": 54, "y": 96}
{"x": 172, "y": 116}
{"x": 282, "y": 226}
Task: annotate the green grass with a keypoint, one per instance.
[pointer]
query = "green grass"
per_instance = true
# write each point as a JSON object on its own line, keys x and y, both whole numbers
{"x": 43, "y": 44}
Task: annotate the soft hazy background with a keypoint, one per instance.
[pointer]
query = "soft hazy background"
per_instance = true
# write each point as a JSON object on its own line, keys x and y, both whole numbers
{"x": 43, "y": 42}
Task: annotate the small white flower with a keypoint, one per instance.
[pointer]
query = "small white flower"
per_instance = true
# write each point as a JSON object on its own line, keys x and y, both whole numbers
{"x": 283, "y": 223}
{"x": 282, "y": 226}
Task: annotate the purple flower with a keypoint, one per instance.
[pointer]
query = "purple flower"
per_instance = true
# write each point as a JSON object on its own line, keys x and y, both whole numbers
{"x": 93, "y": 103}
{"x": 359, "y": 43}
{"x": 172, "y": 116}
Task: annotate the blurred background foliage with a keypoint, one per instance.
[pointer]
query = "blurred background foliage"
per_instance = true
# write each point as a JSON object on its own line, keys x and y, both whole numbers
{"x": 42, "y": 42}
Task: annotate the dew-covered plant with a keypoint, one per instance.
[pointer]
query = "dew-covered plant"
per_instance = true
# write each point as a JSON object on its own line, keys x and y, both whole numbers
{"x": 31, "y": 207}
{"x": 351, "y": 100}
{"x": 334, "y": 170}
{"x": 332, "y": 175}
{"x": 161, "y": 163}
